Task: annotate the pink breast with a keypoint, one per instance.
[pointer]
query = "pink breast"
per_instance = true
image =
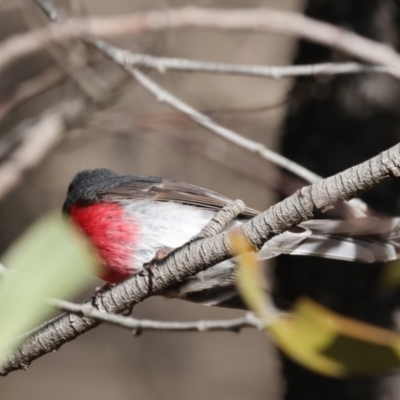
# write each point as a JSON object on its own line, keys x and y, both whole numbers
{"x": 113, "y": 233}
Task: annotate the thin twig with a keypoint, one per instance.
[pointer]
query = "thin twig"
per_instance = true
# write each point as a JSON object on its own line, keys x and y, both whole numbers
{"x": 138, "y": 325}
{"x": 258, "y": 148}
{"x": 163, "y": 64}
{"x": 221, "y": 219}
{"x": 264, "y": 19}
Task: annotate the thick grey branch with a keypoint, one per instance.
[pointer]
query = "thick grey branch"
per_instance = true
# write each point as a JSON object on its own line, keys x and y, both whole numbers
{"x": 199, "y": 255}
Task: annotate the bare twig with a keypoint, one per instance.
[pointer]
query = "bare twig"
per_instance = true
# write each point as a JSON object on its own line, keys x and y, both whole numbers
{"x": 163, "y": 64}
{"x": 198, "y": 255}
{"x": 139, "y": 325}
{"x": 233, "y": 137}
{"x": 283, "y": 22}
{"x": 221, "y": 219}
{"x": 29, "y": 89}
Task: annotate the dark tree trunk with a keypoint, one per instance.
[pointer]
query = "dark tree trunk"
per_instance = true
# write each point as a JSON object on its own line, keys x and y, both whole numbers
{"x": 332, "y": 124}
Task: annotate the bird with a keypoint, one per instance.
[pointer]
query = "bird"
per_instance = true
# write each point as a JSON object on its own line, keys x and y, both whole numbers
{"x": 128, "y": 219}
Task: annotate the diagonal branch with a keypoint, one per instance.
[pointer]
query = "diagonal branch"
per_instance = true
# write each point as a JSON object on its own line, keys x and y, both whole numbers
{"x": 197, "y": 256}
{"x": 233, "y": 137}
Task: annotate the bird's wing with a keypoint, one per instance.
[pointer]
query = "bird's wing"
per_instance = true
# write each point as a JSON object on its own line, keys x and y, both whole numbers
{"x": 163, "y": 190}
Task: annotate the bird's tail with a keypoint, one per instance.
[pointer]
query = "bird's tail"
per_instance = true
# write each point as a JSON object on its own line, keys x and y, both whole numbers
{"x": 365, "y": 240}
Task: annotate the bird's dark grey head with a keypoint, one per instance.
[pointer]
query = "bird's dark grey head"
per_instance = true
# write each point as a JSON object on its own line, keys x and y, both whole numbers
{"x": 84, "y": 185}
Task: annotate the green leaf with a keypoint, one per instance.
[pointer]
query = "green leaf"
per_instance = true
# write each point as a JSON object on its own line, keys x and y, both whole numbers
{"x": 50, "y": 260}
{"x": 390, "y": 277}
{"x": 250, "y": 280}
{"x": 314, "y": 336}
{"x": 331, "y": 344}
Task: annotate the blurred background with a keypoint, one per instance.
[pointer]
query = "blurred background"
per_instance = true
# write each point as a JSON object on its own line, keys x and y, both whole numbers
{"x": 107, "y": 120}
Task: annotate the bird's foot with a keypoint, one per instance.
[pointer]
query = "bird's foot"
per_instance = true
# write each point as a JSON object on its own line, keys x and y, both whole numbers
{"x": 169, "y": 293}
{"x": 97, "y": 297}
{"x": 160, "y": 254}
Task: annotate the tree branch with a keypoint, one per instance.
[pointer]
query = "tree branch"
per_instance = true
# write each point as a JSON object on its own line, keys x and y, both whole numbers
{"x": 196, "y": 256}
{"x": 221, "y": 219}
{"x": 258, "y": 148}
{"x": 139, "y": 325}
{"x": 163, "y": 64}
{"x": 282, "y": 22}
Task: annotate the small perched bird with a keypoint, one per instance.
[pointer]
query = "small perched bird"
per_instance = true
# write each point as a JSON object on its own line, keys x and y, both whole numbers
{"x": 129, "y": 218}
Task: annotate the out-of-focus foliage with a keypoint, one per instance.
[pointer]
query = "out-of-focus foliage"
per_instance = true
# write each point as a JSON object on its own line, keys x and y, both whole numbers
{"x": 314, "y": 336}
{"x": 390, "y": 277}
{"x": 50, "y": 260}
{"x": 250, "y": 280}
{"x": 334, "y": 345}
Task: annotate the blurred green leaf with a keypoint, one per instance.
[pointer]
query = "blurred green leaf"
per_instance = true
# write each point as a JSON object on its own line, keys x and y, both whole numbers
{"x": 334, "y": 345}
{"x": 50, "y": 260}
{"x": 314, "y": 336}
{"x": 250, "y": 280}
{"x": 390, "y": 277}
